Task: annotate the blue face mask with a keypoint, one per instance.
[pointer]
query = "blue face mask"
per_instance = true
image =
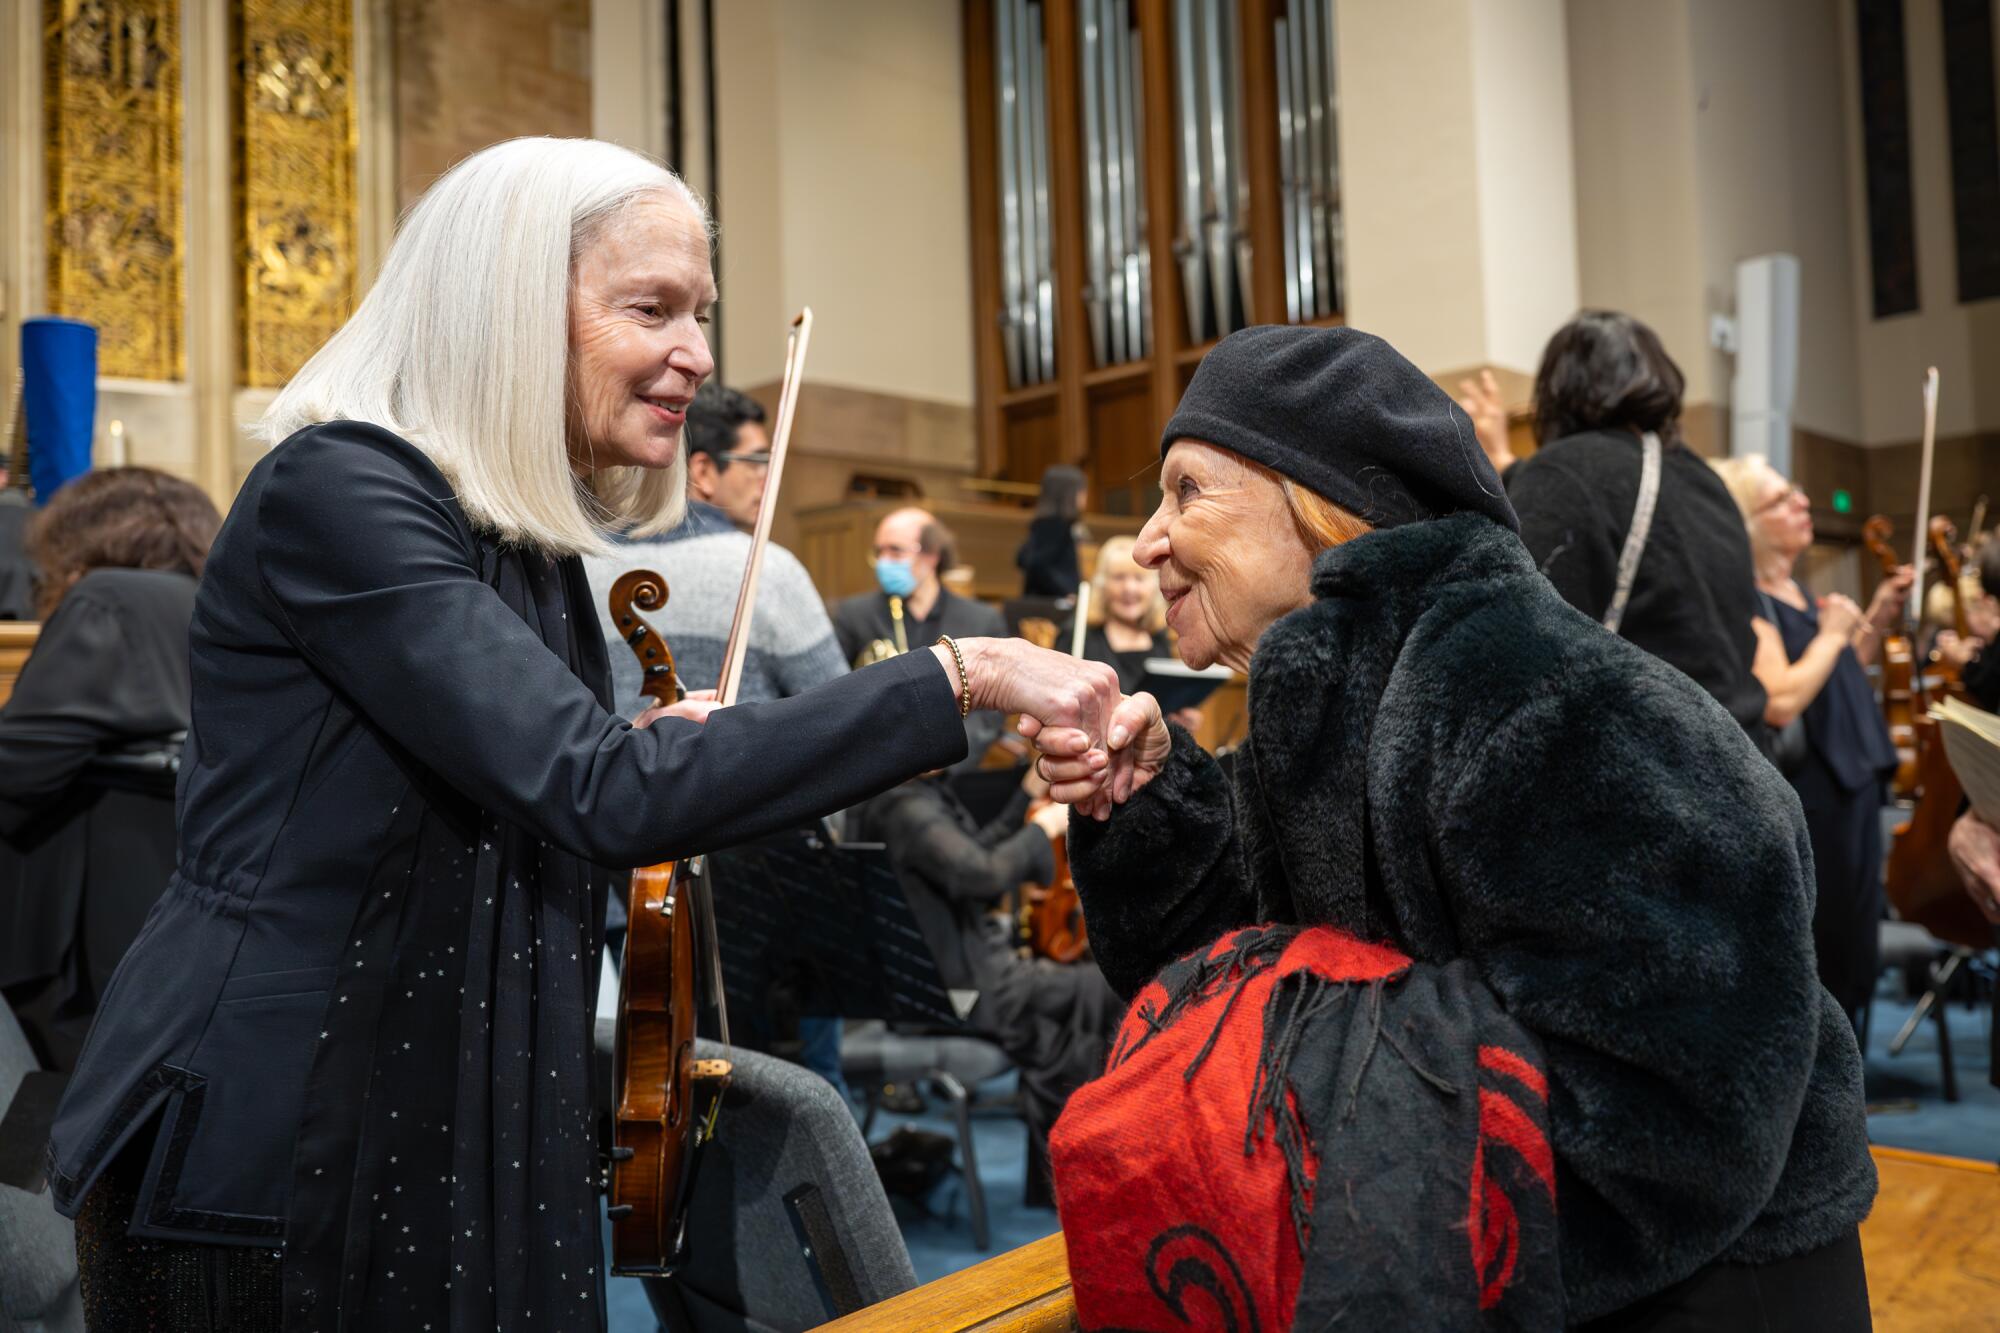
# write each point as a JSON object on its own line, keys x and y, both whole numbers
{"x": 897, "y": 578}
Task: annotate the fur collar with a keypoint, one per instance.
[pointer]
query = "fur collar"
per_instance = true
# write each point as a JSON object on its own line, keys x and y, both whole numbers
{"x": 1317, "y": 683}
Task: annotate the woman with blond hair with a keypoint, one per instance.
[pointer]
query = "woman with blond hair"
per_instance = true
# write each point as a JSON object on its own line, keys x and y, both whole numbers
{"x": 1812, "y": 657}
{"x": 345, "y": 1078}
{"x": 1126, "y": 622}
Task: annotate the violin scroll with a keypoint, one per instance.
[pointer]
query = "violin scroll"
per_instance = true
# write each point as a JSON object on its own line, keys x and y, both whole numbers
{"x": 643, "y": 590}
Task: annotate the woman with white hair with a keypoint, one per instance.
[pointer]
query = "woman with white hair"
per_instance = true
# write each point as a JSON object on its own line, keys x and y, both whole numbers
{"x": 1811, "y": 659}
{"x": 344, "y": 1078}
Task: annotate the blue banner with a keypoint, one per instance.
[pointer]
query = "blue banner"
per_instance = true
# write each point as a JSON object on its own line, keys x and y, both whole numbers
{"x": 59, "y": 393}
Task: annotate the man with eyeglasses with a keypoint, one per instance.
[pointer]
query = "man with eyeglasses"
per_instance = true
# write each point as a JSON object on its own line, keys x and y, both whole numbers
{"x": 729, "y": 457}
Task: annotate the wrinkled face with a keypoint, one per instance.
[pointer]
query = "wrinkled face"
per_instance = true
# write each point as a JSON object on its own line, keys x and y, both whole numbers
{"x": 737, "y": 487}
{"x": 1128, "y": 591}
{"x": 900, "y": 537}
{"x": 1229, "y": 557}
{"x": 639, "y": 296}
{"x": 1781, "y": 520}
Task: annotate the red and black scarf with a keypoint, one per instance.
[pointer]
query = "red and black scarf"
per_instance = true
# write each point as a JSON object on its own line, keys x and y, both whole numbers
{"x": 1298, "y": 1128}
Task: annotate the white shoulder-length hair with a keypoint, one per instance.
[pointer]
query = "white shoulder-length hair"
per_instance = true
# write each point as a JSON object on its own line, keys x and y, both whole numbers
{"x": 462, "y": 347}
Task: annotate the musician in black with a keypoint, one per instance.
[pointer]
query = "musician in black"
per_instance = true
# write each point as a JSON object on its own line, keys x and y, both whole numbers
{"x": 911, "y": 606}
{"x": 344, "y": 1078}
{"x": 1047, "y": 558}
{"x": 1054, "y": 1020}
{"x": 1812, "y": 659}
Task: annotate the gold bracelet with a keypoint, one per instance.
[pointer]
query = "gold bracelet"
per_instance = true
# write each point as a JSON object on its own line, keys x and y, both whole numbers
{"x": 964, "y": 681}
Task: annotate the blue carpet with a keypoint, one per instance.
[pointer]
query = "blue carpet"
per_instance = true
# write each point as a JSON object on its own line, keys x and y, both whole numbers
{"x": 1906, "y": 1110}
{"x": 1906, "y": 1105}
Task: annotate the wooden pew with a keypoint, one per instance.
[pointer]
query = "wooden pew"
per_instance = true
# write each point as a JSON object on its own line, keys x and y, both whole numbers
{"x": 1932, "y": 1244}
{"x": 1022, "y": 1291}
{"x": 17, "y": 640}
{"x": 1932, "y": 1248}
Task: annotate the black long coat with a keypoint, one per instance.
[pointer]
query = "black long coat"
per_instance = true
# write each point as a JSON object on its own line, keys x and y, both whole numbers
{"x": 360, "y": 1017}
{"x": 1445, "y": 754}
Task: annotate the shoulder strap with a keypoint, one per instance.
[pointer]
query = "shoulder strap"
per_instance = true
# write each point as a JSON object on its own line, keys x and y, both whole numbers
{"x": 1642, "y": 526}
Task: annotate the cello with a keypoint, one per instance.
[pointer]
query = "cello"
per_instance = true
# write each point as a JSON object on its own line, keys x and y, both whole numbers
{"x": 1921, "y": 883}
{"x": 1898, "y": 666}
{"x": 667, "y": 1100}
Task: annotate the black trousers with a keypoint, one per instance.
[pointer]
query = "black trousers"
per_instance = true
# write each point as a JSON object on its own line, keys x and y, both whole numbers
{"x": 1820, "y": 1291}
{"x": 1056, "y": 1022}
{"x": 1846, "y": 832}
{"x": 167, "y": 1286}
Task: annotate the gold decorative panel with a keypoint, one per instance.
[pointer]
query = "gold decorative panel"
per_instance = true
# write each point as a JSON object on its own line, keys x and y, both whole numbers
{"x": 112, "y": 116}
{"x": 295, "y": 179}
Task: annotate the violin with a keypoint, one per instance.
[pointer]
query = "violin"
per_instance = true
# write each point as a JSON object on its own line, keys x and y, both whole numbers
{"x": 666, "y": 1097}
{"x": 1921, "y": 883}
{"x": 1898, "y": 669}
{"x": 1945, "y": 548}
{"x": 1054, "y": 924}
{"x": 668, "y": 1102}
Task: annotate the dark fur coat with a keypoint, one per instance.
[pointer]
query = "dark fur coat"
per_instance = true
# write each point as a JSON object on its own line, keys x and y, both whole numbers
{"x": 1445, "y": 754}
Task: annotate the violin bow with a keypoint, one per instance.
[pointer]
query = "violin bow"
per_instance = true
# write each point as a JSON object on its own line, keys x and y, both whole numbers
{"x": 737, "y": 650}
{"x": 1914, "y": 608}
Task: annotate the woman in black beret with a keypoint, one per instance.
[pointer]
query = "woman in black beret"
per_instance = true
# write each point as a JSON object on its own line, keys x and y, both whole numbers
{"x": 1446, "y": 756}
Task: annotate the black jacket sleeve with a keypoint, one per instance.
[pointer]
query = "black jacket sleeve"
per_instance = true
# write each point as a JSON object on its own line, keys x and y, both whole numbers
{"x": 929, "y": 843}
{"x": 1165, "y": 874}
{"x": 1564, "y": 528}
{"x": 86, "y": 686}
{"x": 397, "y": 619}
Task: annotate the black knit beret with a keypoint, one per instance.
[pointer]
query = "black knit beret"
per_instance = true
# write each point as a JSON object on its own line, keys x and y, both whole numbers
{"x": 1344, "y": 414}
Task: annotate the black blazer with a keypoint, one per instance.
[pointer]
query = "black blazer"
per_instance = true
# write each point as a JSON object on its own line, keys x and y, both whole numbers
{"x": 361, "y": 1015}
{"x": 82, "y": 861}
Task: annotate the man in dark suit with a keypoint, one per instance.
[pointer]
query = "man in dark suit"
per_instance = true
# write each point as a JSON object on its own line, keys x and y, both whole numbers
{"x": 911, "y": 550}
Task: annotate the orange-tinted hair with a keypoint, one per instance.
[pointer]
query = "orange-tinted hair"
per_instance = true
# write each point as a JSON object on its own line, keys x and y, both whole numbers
{"x": 1322, "y": 524}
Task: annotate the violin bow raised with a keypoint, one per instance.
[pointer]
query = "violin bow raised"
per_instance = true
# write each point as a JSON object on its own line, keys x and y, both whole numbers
{"x": 737, "y": 651}
{"x": 1914, "y": 608}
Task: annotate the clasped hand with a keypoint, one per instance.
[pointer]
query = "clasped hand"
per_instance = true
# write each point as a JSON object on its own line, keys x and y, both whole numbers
{"x": 1092, "y": 777}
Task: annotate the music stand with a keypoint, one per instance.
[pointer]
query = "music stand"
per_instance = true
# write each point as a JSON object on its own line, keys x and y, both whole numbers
{"x": 828, "y": 922}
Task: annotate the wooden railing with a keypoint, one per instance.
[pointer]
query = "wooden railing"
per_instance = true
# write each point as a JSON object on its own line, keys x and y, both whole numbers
{"x": 1022, "y": 1291}
{"x": 17, "y": 640}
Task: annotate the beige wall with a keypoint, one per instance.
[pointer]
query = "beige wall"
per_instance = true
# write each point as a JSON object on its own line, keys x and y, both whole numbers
{"x": 1409, "y": 171}
{"x": 1771, "y": 167}
{"x": 1638, "y": 228}
{"x": 1460, "y": 225}
{"x": 1963, "y": 341}
{"x": 842, "y": 185}
{"x": 1527, "y": 188}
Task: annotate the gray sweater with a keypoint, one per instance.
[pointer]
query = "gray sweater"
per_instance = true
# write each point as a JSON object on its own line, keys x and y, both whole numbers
{"x": 792, "y": 647}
